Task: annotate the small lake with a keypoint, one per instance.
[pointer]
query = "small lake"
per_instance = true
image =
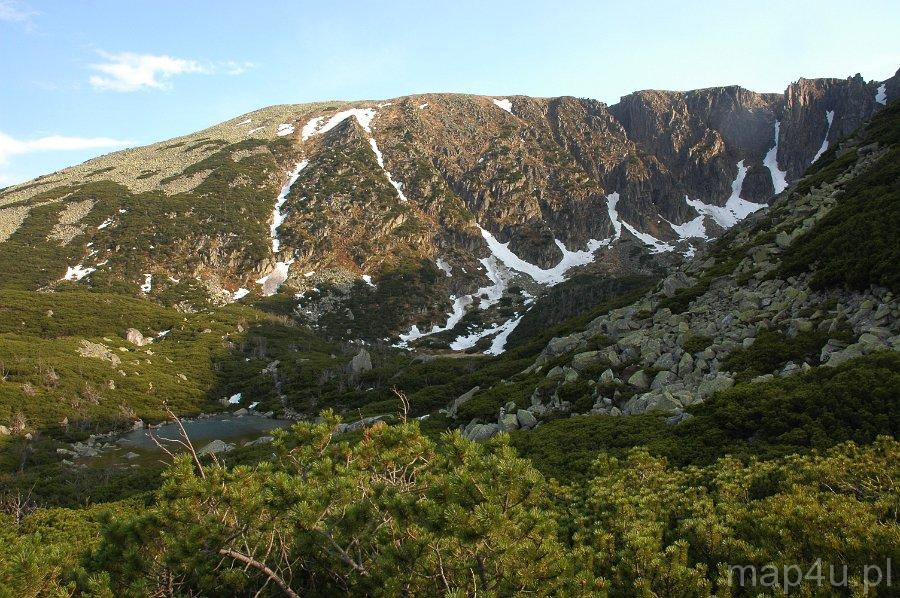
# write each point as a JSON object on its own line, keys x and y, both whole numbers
{"x": 229, "y": 428}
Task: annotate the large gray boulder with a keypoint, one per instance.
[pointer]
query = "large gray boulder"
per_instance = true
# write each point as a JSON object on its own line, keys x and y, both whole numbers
{"x": 134, "y": 336}
{"x": 639, "y": 380}
{"x": 215, "y": 447}
{"x": 586, "y": 360}
{"x": 711, "y": 386}
{"x": 361, "y": 362}
{"x": 527, "y": 420}
{"x": 478, "y": 432}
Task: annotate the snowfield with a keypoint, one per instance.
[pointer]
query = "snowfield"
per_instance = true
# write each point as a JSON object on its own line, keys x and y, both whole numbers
{"x": 504, "y": 104}
{"x": 779, "y": 177}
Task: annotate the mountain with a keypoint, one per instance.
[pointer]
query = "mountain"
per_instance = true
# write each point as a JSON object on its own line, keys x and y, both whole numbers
{"x": 654, "y": 419}
{"x": 418, "y": 209}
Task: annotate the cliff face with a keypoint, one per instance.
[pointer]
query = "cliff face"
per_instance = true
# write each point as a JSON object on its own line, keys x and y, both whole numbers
{"x": 515, "y": 189}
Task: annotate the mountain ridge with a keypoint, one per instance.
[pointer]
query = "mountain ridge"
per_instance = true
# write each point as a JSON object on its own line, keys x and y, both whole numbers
{"x": 387, "y": 184}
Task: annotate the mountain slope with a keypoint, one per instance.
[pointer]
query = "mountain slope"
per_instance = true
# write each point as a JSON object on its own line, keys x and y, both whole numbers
{"x": 477, "y": 199}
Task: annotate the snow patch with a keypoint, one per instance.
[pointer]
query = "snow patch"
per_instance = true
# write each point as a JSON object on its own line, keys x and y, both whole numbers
{"x": 611, "y": 200}
{"x": 779, "y": 177}
{"x": 284, "y": 129}
{"x": 550, "y": 276}
{"x": 245, "y": 122}
{"x": 735, "y": 209}
{"x": 380, "y": 159}
{"x": 148, "y": 283}
{"x": 272, "y": 281}
{"x": 881, "y": 95}
{"x": 240, "y": 294}
{"x": 105, "y": 223}
{"x": 234, "y": 399}
{"x": 656, "y": 246}
{"x": 256, "y": 130}
{"x": 498, "y": 345}
{"x": 692, "y": 229}
{"x": 504, "y": 104}
{"x": 423, "y": 105}
{"x": 829, "y": 116}
{"x": 78, "y": 272}
{"x": 444, "y": 266}
{"x": 277, "y": 216}
{"x": 364, "y": 117}
{"x": 368, "y": 280}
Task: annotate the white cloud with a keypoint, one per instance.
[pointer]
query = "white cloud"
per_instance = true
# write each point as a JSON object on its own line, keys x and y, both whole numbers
{"x": 131, "y": 72}
{"x": 14, "y": 12}
{"x": 128, "y": 71}
{"x": 10, "y": 146}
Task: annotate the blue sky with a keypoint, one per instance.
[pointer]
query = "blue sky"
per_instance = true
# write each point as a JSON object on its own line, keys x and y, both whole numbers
{"x": 82, "y": 78}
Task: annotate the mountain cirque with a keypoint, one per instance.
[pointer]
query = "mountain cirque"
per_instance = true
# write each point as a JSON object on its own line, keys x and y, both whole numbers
{"x": 460, "y": 200}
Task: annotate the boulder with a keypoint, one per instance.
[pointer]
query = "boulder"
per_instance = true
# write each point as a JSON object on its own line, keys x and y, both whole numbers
{"x": 461, "y": 400}
{"x": 134, "y": 336}
{"x": 480, "y": 431}
{"x": 607, "y": 376}
{"x": 662, "y": 379}
{"x": 844, "y": 355}
{"x": 361, "y": 362}
{"x": 527, "y": 420}
{"x": 508, "y": 422}
{"x": 639, "y": 380}
{"x": 711, "y": 386}
{"x": 586, "y": 360}
{"x": 214, "y": 447}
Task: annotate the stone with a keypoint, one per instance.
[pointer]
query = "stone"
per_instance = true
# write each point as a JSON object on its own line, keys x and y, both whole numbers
{"x": 569, "y": 375}
{"x": 131, "y": 456}
{"x": 662, "y": 379}
{"x": 98, "y": 351}
{"x": 214, "y": 447}
{"x": 586, "y": 360}
{"x": 261, "y": 440}
{"x": 136, "y": 338}
{"x": 508, "y": 422}
{"x": 844, "y": 355}
{"x": 713, "y": 385}
{"x": 685, "y": 365}
{"x": 666, "y": 361}
{"x": 361, "y": 362}
{"x": 560, "y": 345}
{"x": 555, "y": 372}
{"x": 461, "y": 400}
{"x": 241, "y": 411}
{"x": 607, "y": 376}
{"x": 138, "y": 425}
{"x": 480, "y": 431}
{"x": 674, "y": 282}
{"x": 639, "y": 380}
{"x": 527, "y": 420}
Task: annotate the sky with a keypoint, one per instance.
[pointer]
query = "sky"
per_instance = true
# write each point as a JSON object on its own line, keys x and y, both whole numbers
{"x": 82, "y": 78}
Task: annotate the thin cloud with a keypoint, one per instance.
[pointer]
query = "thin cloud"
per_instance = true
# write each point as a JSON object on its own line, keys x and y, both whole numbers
{"x": 127, "y": 71}
{"x": 131, "y": 72}
{"x": 12, "y": 11}
{"x": 10, "y": 146}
